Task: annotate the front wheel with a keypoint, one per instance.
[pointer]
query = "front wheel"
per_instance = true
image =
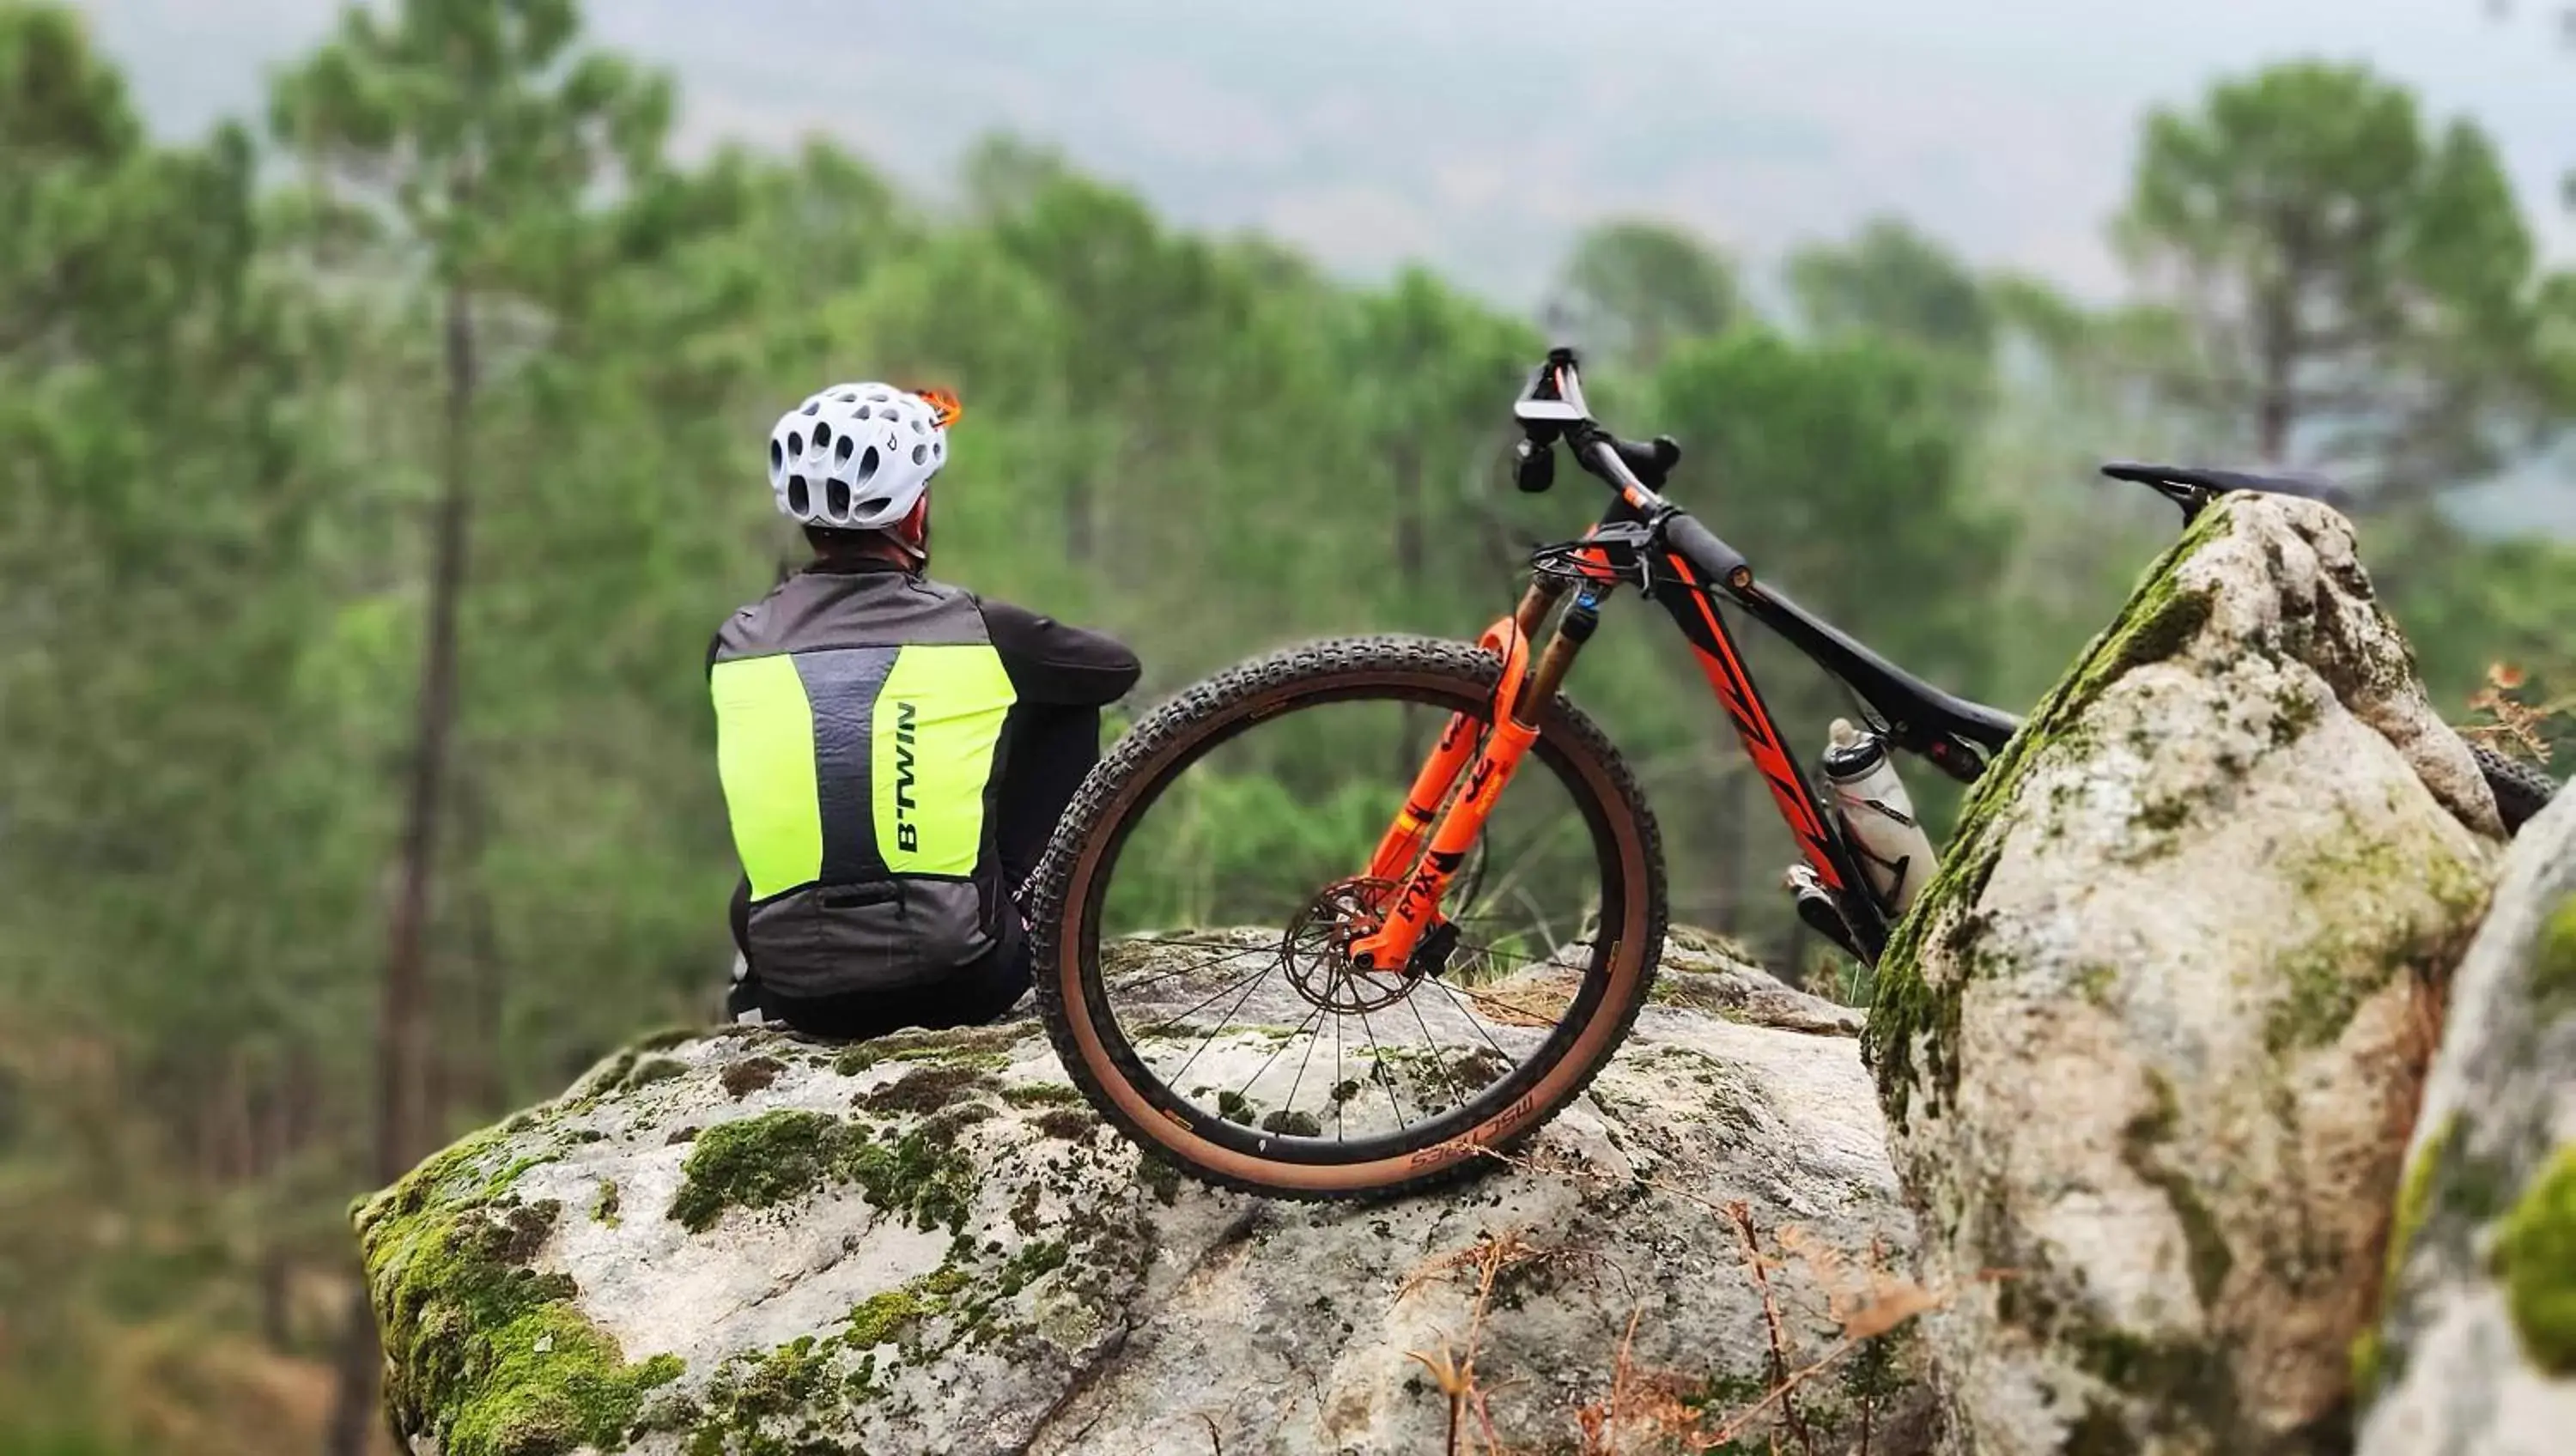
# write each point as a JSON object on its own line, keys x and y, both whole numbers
{"x": 1190, "y": 921}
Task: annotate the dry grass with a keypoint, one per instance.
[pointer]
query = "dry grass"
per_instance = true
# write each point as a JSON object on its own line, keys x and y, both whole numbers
{"x": 1649, "y": 1410}
{"x": 2514, "y": 727}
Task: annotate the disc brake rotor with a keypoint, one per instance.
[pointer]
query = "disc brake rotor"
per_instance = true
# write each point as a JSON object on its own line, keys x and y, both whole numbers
{"x": 1316, "y": 950}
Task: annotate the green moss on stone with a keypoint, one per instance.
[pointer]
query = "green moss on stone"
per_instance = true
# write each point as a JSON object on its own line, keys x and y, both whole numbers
{"x": 882, "y": 1318}
{"x": 1905, "y": 1010}
{"x": 2319, "y": 994}
{"x": 2297, "y": 711}
{"x": 751, "y": 1074}
{"x": 983, "y": 1047}
{"x": 655, "y": 1069}
{"x": 665, "y": 1039}
{"x": 1042, "y": 1094}
{"x": 485, "y": 1355}
{"x": 793, "y": 1380}
{"x": 926, "y": 1089}
{"x": 1069, "y": 1124}
{"x": 2371, "y": 1364}
{"x": 1159, "y": 1178}
{"x": 603, "y": 1208}
{"x": 921, "y": 1177}
{"x": 2553, "y": 962}
{"x": 757, "y": 1163}
{"x": 2203, "y": 1242}
{"x": 2536, "y": 1259}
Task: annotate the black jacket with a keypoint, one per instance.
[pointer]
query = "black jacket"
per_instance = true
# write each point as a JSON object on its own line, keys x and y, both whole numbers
{"x": 866, "y": 719}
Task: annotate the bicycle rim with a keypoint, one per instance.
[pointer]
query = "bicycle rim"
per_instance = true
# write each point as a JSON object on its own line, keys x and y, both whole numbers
{"x": 1239, "y": 1046}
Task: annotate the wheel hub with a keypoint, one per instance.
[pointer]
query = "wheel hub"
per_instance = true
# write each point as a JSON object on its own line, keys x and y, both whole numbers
{"x": 1316, "y": 949}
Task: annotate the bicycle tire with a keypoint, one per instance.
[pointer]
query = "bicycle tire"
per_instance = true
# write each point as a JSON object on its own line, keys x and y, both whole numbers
{"x": 2521, "y": 789}
{"x": 1069, "y": 885}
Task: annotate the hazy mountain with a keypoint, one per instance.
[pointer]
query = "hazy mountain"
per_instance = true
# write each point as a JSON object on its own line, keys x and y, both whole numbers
{"x": 1477, "y": 134}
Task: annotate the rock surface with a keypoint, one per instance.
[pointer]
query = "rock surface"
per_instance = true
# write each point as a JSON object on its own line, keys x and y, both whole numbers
{"x": 747, "y": 1243}
{"x": 2478, "y": 1350}
{"x": 2150, "y": 1045}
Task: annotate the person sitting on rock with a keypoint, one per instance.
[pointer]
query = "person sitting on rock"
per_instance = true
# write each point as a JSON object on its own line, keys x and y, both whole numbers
{"x": 895, "y": 752}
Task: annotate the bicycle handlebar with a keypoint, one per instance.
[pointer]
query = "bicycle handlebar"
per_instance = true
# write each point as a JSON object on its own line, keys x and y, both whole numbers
{"x": 1551, "y": 407}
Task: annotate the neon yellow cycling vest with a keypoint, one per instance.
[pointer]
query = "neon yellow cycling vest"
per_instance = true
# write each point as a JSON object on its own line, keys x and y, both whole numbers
{"x": 859, "y": 736}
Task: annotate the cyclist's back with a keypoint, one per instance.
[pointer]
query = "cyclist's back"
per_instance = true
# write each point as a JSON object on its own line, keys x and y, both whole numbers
{"x": 894, "y": 751}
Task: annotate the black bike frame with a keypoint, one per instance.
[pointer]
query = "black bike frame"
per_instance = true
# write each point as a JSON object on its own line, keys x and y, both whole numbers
{"x": 1646, "y": 541}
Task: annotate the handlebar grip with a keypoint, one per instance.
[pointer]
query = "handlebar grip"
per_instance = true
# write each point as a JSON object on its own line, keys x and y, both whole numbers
{"x": 1533, "y": 466}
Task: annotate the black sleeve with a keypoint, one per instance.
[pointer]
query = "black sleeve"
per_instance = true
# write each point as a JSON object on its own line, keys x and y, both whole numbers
{"x": 1050, "y": 662}
{"x": 715, "y": 644}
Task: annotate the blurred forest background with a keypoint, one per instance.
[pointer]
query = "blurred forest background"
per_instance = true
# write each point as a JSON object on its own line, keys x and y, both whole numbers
{"x": 373, "y": 470}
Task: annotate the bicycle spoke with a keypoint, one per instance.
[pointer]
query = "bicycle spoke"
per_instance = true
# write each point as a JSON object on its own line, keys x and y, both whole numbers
{"x": 1387, "y": 1078}
{"x": 1246, "y": 1089}
{"x": 1472, "y": 1019}
{"x": 1339, "y": 1127}
{"x": 1300, "y": 1079}
{"x": 1180, "y": 1017}
{"x": 1431, "y": 1049}
{"x": 1220, "y": 1026}
{"x": 1194, "y": 966}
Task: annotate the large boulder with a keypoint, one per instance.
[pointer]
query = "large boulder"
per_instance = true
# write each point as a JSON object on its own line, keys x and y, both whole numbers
{"x": 2478, "y": 1350}
{"x": 748, "y": 1243}
{"x": 2151, "y": 1042}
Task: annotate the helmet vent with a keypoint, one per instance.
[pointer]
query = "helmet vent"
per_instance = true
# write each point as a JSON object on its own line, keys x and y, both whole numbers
{"x": 920, "y": 453}
{"x": 813, "y": 406}
{"x": 876, "y": 505}
{"x": 868, "y": 465}
{"x": 847, "y": 448}
{"x": 863, "y": 412}
{"x": 796, "y": 444}
{"x": 800, "y": 501}
{"x": 822, "y": 436}
{"x": 836, "y": 500}
{"x": 777, "y": 455}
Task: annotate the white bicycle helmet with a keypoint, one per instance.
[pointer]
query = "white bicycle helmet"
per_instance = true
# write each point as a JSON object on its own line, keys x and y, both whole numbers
{"x": 855, "y": 457}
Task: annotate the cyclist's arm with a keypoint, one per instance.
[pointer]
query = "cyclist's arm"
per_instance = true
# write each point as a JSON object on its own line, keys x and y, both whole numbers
{"x": 1050, "y": 662}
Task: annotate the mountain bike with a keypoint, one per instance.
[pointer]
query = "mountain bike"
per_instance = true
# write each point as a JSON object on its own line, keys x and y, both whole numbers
{"x": 1384, "y": 989}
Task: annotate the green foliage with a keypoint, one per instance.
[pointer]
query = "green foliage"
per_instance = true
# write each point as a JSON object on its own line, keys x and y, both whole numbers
{"x": 1893, "y": 281}
{"x": 2350, "y": 286}
{"x": 1633, "y": 289}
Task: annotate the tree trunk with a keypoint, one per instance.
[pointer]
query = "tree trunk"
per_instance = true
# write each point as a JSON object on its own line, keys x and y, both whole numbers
{"x": 403, "y": 1117}
{"x": 1727, "y": 856}
{"x": 355, "y": 1410}
{"x": 2277, "y": 343}
{"x": 402, "y": 1033}
{"x": 480, "y": 1078}
{"x": 1077, "y": 514}
{"x": 1407, "y": 459}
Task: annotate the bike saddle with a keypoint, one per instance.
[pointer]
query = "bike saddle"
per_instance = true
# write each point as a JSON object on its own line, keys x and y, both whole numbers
{"x": 2192, "y": 487}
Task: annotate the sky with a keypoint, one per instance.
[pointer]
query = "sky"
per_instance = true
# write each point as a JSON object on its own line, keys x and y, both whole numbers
{"x": 1480, "y": 135}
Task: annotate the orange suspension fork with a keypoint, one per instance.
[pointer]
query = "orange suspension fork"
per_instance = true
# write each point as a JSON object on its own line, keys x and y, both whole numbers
{"x": 1403, "y": 840}
{"x": 1426, "y": 856}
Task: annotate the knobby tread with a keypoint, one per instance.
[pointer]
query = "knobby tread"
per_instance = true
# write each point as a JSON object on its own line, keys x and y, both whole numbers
{"x": 1316, "y": 666}
{"x": 2521, "y": 789}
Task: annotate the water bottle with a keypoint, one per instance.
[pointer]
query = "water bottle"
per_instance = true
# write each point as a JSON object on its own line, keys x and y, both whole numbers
{"x": 1895, "y": 853}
